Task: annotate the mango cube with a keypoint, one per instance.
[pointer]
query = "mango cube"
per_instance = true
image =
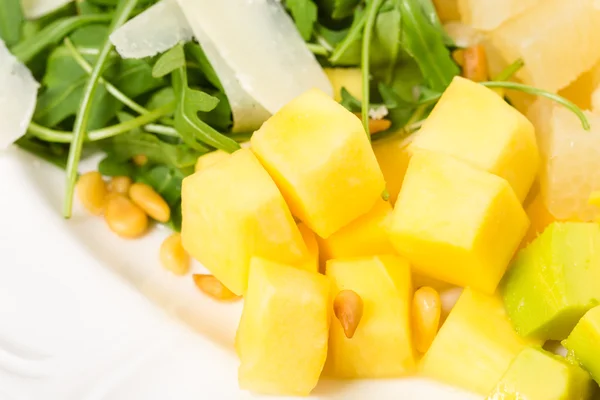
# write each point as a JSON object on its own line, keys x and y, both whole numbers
{"x": 209, "y": 159}
{"x": 583, "y": 342}
{"x": 475, "y": 345}
{"x": 311, "y": 260}
{"x": 554, "y": 281}
{"x": 320, "y": 158}
{"x": 365, "y": 236}
{"x": 456, "y": 223}
{"x": 282, "y": 336}
{"x": 381, "y": 346}
{"x": 232, "y": 212}
{"x": 536, "y": 374}
{"x": 393, "y": 155}
{"x": 475, "y": 125}
{"x": 347, "y": 78}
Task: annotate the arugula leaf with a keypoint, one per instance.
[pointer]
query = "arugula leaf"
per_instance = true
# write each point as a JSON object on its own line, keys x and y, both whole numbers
{"x": 52, "y": 34}
{"x": 304, "y": 13}
{"x": 220, "y": 117}
{"x": 429, "y": 9}
{"x": 339, "y": 9}
{"x": 386, "y": 44}
{"x": 196, "y": 52}
{"x": 347, "y": 51}
{"x": 426, "y": 45}
{"x": 350, "y": 102}
{"x": 11, "y": 20}
{"x": 169, "y": 61}
{"x": 54, "y": 153}
{"x": 113, "y": 166}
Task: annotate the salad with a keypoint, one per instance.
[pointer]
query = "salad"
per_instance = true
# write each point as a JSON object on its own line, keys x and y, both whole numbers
{"x": 342, "y": 165}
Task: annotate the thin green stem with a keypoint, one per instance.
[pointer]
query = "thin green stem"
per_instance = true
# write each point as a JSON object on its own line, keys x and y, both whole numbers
{"x": 353, "y": 35}
{"x": 317, "y": 49}
{"x": 372, "y": 10}
{"x": 509, "y": 71}
{"x": 540, "y": 92}
{"x": 56, "y": 136}
{"x": 161, "y": 130}
{"x": 110, "y": 88}
{"x": 122, "y": 14}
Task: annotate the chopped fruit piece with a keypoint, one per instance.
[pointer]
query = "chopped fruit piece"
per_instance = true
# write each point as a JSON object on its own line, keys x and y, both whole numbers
{"x": 539, "y": 216}
{"x": 473, "y": 124}
{"x": 475, "y": 345}
{"x": 488, "y": 15}
{"x": 347, "y": 78}
{"x": 545, "y": 35}
{"x": 223, "y": 230}
{"x": 570, "y": 169}
{"x": 581, "y": 90}
{"x": 282, "y": 337}
{"x": 583, "y": 342}
{"x": 536, "y": 374}
{"x": 311, "y": 260}
{"x": 554, "y": 281}
{"x": 305, "y": 147}
{"x": 456, "y": 223}
{"x": 594, "y": 198}
{"x": 210, "y": 159}
{"x": 447, "y": 10}
{"x": 365, "y": 236}
{"x": 393, "y": 156}
{"x": 381, "y": 345}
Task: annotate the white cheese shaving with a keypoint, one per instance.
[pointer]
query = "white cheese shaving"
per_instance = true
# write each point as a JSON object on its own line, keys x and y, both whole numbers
{"x": 34, "y": 9}
{"x": 154, "y": 31}
{"x": 18, "y": 93}
{"x": 378, "y": 112}
{"x": 261, "y": 44}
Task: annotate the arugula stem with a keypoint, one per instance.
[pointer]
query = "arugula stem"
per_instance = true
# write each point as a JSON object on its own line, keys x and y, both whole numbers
{"x": 371, "y": 14}
{"x": 162, "y": 130}
{"x": 317, "y": 49}
{"x": 543, "y": 93}
{"x": 509, "y": 71}
{"x": 110, "y": 88}
{"x": 353, "y": 35}
{"x": 121, "y": 15}
{"x": 56, "y": 136}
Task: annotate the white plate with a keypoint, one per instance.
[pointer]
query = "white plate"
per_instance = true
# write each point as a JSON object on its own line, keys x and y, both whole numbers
{"x": 85, "y": 315}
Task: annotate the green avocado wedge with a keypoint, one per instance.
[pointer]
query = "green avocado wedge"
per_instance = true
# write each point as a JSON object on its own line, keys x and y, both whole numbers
{"x": 536, "y": 374}
{"x": 583, "y": 343}
{"x": 554, "y": 281}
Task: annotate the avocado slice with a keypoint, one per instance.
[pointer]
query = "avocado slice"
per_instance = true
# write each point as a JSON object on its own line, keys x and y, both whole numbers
{"x": 536, "y": 374}
{"x": 583, "y": 343}
{"x": 554, "y": 281}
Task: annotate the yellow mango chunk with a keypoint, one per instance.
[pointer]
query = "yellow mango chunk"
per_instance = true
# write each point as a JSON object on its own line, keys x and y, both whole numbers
{"x": 232, "y": 212}
{"x": 320, "y": 158}
{"x": 473, "y": 124}
{"x": 475, "y": 345}
{"x": 381, "y": 346}
{"x": 347, "y": 78}
{"x": 365, "y": 236}
{"x": 282, "y": 336}
{"x": 456, "y": 223}
{"x": 311, "y": 260}
{"x": 209, "y": 159}
{"x": 393, "y": 156}
{"x": 539, "y": 218}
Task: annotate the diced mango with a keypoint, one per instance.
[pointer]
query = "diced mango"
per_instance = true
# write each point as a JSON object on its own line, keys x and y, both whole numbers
{"x": 536, "y": 374}
{"x": 475, "y": 345}
{"x": 447, "y": 10}
{"x": 347, "y": 78}
{"x": 210, "y": 159}
{"x": 232, "y": 212}
{"x": 381, "y": 346}
{"x": 320, "y": 158}
{"x": 554, "y": 281}
{"x": 311, "y": 260}
{"x": 282, "y": 336}
{"x": 583, "y": 342}
{"x": 456, "y": 223}
{"x": 539, "y": 216}
{"x": 473, "y": 124}
{"x": 363, "y": 237}
{"x": 393, "y": 156}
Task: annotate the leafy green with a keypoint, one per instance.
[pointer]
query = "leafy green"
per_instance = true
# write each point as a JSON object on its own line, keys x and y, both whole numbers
{"x": 121, "y": 15}
{"x": 304, "y": 13}
{"x": 339, "y": 9}
{"x": 169, "y": 61}
{"x": 112, "y": 166}
{"x": 425, "y": 44}
{"x": 11, "y": 20}
{"x": 54, "y": 153}
{"x": 196, "y": 53}
{"x": 429, "y": 10}
{"x": 52, "y": 34}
